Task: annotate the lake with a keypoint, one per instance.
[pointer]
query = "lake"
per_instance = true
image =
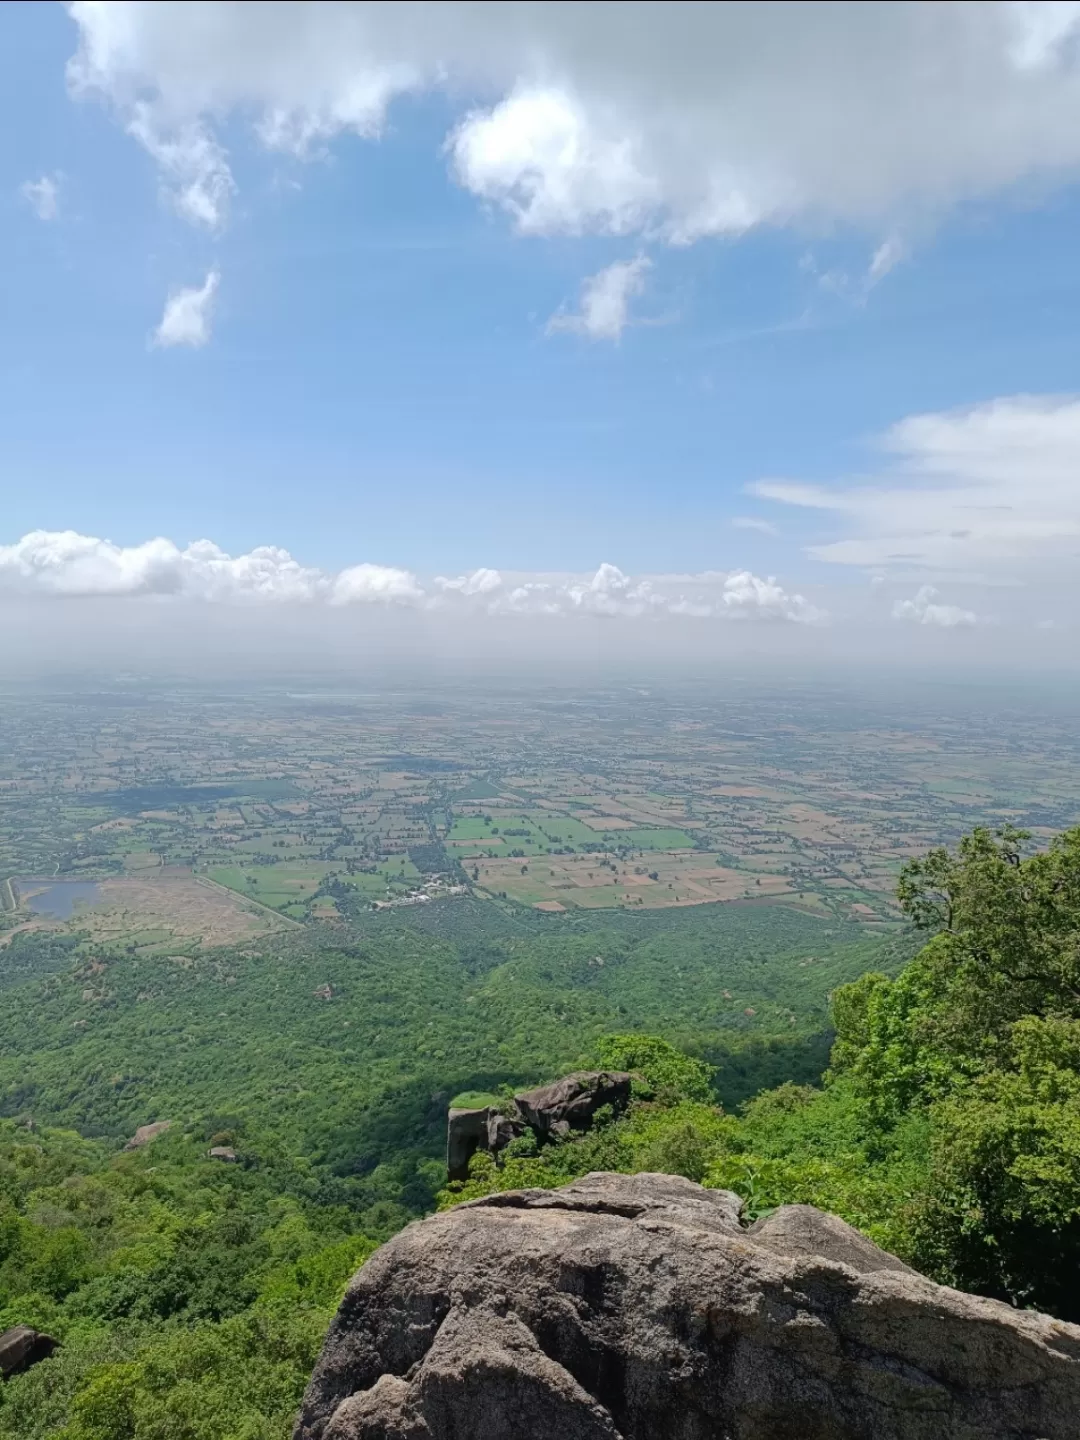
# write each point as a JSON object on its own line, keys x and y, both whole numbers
{"x": 57, "y": 898}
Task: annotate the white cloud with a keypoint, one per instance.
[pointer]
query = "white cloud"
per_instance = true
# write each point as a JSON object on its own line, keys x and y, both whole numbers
{"x": 539, "y": 154}
{"x": 925, "y": 610}
{"x": 987, "y": 493}
{"x": 886, "y": 257}
{"x": 187, "y": 316}
{"x": 480, "y": 582}
{"x": 43, "y": 196}
{"x": 754, "y": 522}
{"x": 197, "y": 180}
{"x": 382, "y": 583}
{"x": 65, "y": 563}
{"x": 735, "y": 595}
{"x": 745, "y": 595}
{"x": 605, "y": 301}
{"x": 679, "y": 120}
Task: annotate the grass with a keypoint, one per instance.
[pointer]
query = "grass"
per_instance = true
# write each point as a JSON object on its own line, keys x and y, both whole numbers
{"x": 655, "y": 839}
{"x": 478, "y": 790}
{"x": 473, "y": 1100}
{"x": 278, "y": 886}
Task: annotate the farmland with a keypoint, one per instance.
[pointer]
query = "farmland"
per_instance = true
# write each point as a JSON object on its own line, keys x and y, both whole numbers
{"x": 316, "y": 808}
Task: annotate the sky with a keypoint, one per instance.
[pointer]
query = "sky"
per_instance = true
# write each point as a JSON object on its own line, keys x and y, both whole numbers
{"x": 746, "y": 326}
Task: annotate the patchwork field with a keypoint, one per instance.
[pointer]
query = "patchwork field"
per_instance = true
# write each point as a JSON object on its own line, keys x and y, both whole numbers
{"x": 588, "y": 881}
{"x": 314, "y": 807}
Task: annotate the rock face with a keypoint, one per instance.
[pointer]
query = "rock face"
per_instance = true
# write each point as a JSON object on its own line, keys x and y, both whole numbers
{"x": 22, "y": 1347}
{"x": 549, "y": 1111}
{"x": 571, "y": 1103}
{"x": 637, "y": 1308}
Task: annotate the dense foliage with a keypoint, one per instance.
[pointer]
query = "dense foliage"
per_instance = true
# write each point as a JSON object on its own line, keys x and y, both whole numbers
{"x": 949, "y": 1125}
{"x": 191, "y": 1295}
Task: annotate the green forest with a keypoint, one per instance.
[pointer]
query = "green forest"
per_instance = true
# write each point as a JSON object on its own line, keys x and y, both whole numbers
{"x": 923, "y": 1084}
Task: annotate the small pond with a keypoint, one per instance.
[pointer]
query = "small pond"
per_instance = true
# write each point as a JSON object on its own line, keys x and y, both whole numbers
{"x": 57, "y": 898}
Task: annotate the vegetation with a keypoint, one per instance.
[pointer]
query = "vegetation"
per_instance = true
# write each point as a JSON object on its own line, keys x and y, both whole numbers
{"x": 191, "y": 1295}
{"x": 948, "y": 1127}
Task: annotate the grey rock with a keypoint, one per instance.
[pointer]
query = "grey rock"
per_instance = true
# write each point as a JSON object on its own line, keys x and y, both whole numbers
{"x": 638, "y": 1308}
{"x": 804, "y": 1230}
{"x": 550, "y": 1111}
{"x": 501, "y": 1129}
{"x": 570, "y": 1103}
{"x": 466, "y": 1132}
{"x": 23, "y": 1346}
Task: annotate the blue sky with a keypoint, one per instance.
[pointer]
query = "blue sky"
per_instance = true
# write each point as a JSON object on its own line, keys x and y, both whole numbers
{"x": 377, "y": 380}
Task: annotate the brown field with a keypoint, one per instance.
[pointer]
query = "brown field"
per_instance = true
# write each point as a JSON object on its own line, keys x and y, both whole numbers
{"x": 185, "y": 907}
{"x": 683, "y": 878}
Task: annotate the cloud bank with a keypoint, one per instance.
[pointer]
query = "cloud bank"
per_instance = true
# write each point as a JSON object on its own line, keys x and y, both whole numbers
{"x": 677, "y": 121}
{"x": 65, "y": 563}
{"x": 988, "y": 494}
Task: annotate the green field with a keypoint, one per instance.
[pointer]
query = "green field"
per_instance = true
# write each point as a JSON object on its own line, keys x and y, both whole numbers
{"x": 657, "y": 839}
{"x": 275, "y": 885}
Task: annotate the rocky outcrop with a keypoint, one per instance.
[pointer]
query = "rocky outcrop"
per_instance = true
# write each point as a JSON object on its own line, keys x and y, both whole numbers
{"x": 638, "y": 1308}
{"x": 23, "y": 1346}
{"x": 145, "y": 1133}
{"x": 550, "y": 1111}
{"x": 570, "y": 1103}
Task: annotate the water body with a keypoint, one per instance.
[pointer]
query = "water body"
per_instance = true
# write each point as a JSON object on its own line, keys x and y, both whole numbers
{"x": 57, "y": 898}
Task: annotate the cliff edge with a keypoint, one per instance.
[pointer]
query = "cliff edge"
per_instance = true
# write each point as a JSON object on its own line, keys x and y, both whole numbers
{"x": 637, "y": 1307}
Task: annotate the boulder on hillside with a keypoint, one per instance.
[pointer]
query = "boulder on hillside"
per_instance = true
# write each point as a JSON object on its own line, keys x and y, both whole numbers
{"x": 23, "y": 1346}
{"x": 466, "y": 1132}
{"x": 571, "y": 1103}
{"x": 638, "y": 1308}
{"x": 145, "y": 1133}
{"x": 550, "y": 1111}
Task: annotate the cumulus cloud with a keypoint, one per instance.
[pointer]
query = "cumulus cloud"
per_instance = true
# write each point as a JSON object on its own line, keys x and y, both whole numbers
{"x": 480, "y": 582}
{"x": 722, "y": 595}
{"x": 43, "y": 196}
{"x": 925, "y": 610}
{"x": 988, "y": 493}
{"x": 65, "y": 563}
{"x": 187, "y": 316}
{"x": 745, "y": 594}
{"x": 382, "y": 583}
{"x": 681, "y": 121}
{"x": 605, "y": 301}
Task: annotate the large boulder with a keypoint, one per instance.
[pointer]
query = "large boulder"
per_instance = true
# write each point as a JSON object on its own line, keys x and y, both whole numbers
{"x": 571, "y": 1103}
{"x": 466, "y": 1132}
{"x": 638, "y": 1308}
{"x": 550, "y": 1111}
{"x": 23, "y": 1346}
